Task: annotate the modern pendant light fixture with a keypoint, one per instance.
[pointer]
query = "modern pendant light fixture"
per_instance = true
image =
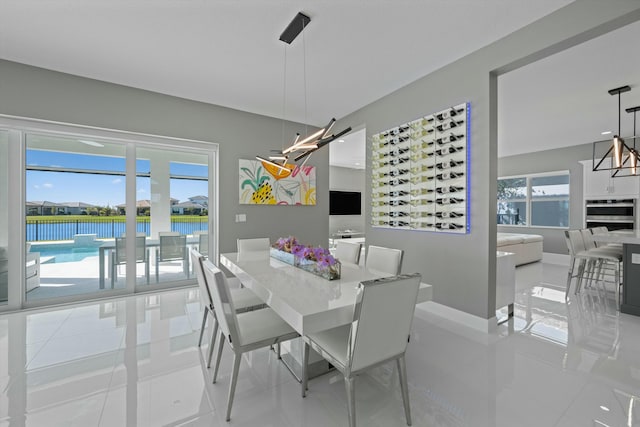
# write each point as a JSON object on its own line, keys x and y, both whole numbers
{"x": 634, "y": 155}
{"x": 617, "y": 143}
{"x": 300, "y": 149}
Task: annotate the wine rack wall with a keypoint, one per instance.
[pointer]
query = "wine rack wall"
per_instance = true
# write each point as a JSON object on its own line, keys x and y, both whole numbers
{"x": 420, "y": 173}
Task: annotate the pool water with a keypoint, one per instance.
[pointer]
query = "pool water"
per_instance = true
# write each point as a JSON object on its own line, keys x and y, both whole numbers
{"x": 58, "y": 253}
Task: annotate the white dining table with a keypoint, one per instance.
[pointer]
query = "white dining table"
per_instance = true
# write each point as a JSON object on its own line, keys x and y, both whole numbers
{"x": 307, "y": 302}
{"x": 630, "y": 241}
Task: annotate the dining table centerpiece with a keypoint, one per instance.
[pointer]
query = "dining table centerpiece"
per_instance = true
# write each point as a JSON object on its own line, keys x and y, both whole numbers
{"x": 316, "y": 260}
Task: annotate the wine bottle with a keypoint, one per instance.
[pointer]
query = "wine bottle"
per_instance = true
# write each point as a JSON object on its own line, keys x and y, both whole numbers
{"x": 398, "y": 172}
{"x": 398, "y": 214}
{"x": 449, "y": 164}
{"x": 421, "y": 191}
{"x": 449, "y": 125}
{"x": 419, "y": 179}
{"x": 421, "y": 214}
{"x": 449, "y": 214}
{"x": 449, "y": 150}
{"x": 398, "y": 181}
{"x": 449, "y": 201}
{"x": 449, "y": 175}
{"x": 421, "y": 169}
{"x": 420, "y": 202}
{"x": 398, "y": 223}
{"x": 448, "y": 226}
{"x": 421, "y": 224}
{"x": 448, "y": 139}
{"x": 397, "y": 202}
{"x": 398, "y": 161}
{"x": 378, "y": 222}
{"x": 449, "y": 189}
{"x": 398, "y": 193}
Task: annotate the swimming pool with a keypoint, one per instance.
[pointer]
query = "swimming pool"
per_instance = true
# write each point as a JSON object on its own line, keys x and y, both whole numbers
{"x": 64, "y": 252}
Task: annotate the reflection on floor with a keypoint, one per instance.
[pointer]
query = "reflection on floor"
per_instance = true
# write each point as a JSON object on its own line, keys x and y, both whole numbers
{"x": 134, "y": 361}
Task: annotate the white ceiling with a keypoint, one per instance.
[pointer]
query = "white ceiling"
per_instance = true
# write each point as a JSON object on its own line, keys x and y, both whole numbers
{"x": 563, "y": 100}
{"x": 228, "y": 53}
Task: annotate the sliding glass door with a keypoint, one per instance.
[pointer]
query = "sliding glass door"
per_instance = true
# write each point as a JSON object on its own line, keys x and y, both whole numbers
{"x": 103, "y": 212}
{"x": 72, "y": 187}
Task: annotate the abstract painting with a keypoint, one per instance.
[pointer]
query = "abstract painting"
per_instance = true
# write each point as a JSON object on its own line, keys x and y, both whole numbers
{"x": 263, "y": 184}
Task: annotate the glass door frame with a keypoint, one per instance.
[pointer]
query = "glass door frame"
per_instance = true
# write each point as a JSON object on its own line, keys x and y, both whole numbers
{"x": 19, "y": 127}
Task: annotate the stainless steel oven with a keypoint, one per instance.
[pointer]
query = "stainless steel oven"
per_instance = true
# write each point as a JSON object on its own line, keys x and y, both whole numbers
{"x": 615, "y": 214}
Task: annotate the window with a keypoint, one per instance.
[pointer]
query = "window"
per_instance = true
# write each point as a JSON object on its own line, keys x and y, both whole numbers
{"x": 540, "y": 200}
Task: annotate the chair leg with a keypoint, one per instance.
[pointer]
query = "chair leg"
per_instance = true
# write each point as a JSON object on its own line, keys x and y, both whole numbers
{"x": 279, "y": 351}
{"x": 218, "y": 357}
{"x": 305, "y": 372}
{"x": 402, "y": 373}
{"x": 234, "y": 379}
{"x": 204, "y": 324}
{"x": 213, "y": 341}
{"x": 349, "y": 384}
{"x": 581, "y": 268}
{"x": 572, "y": 265}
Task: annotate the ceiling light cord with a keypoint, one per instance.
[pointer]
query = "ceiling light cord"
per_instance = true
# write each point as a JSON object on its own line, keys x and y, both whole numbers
{"x": 284, "y": 93}
{"x": 304, "y": 76}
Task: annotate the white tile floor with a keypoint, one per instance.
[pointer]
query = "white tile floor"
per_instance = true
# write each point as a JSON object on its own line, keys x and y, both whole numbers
{"x": 134, "y": 362}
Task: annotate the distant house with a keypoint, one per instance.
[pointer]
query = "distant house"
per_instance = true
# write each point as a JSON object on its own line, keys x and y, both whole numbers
{"x": 187, "y": 208}
{"x": 53, "y": 208}
{"x": 143, "y": 207}
{"x": 200, "y": 200}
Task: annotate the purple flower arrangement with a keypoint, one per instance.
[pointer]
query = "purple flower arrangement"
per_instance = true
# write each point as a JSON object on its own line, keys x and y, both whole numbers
{"x": 320, "y": 257}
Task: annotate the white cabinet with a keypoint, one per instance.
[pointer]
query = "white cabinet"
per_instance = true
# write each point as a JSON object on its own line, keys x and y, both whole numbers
{"x": 600, "y": 184}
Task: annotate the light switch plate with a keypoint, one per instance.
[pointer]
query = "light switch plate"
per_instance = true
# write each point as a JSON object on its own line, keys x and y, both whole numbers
{"x": 241, "y": 217}
{"x": 635, "y": 258}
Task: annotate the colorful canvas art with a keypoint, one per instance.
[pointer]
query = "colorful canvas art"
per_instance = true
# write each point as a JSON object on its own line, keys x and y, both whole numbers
{"x": 263, "y": 184}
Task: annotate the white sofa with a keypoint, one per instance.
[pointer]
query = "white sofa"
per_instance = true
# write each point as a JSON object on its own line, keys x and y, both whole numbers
{"x": 526, "y": 247}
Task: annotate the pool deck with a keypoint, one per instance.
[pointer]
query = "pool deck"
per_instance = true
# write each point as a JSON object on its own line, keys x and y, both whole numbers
{"x": 80, "y": 277}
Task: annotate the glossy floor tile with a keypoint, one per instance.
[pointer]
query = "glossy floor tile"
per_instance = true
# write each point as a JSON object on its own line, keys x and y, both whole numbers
{"x": 134, "y": 362}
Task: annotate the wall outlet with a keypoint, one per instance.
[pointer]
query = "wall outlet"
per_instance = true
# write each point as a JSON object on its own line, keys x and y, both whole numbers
{"x": 241, "y": 217}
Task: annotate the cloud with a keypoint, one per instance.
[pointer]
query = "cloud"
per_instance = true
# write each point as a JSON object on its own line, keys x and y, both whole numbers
{"x": 36, "y": 186}
{"x": 141, "y": 190}
{"x": 116, "y": 181}
{"x": 47, "y": 185}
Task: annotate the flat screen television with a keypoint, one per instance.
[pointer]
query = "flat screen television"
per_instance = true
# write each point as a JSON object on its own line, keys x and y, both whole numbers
{"x": 344, "y": 203}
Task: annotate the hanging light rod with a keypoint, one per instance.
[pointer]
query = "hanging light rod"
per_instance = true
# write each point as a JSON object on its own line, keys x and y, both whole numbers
{"x": 295, "y": 27}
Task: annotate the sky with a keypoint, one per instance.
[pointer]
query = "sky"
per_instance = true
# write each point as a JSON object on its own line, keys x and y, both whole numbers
{"x": 101, "y": 190}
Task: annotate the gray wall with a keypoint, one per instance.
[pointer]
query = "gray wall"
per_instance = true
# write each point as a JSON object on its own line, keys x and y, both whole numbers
{"x": 347, "y": 179}
{"x": 549, "y": 161}
{"x": 37, "y": 93}
{"x": 462, "y": 267}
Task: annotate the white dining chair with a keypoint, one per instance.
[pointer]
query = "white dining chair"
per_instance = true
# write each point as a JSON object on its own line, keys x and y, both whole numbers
{"x": 259, "y": 244}
{"x": 379, "y": 333}
{"x": 244, "y": 300}
{"x": 386, "y": 260}
{"x": 348, "y": 251}
{"x": 243, "y": 332}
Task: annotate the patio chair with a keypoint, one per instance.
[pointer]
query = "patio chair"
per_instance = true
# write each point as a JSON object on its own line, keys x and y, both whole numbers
{"x": 172, "y": 247}
{"x": 119, "y": 256}
{"x": 203, "y": 242}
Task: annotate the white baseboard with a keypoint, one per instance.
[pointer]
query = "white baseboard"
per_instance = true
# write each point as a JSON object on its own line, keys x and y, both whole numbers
{"x": 476, "y": 323}
{"x": 559, "y": 259}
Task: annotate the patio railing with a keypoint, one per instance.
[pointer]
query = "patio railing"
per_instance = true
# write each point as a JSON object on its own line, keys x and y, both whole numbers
{"x": 103, "y": 227}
